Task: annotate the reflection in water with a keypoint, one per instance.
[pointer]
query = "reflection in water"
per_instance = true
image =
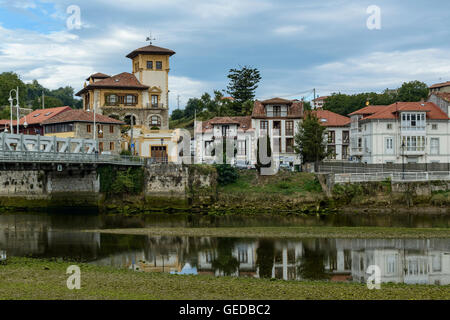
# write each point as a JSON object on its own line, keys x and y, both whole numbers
{"x": 410, "y": 261}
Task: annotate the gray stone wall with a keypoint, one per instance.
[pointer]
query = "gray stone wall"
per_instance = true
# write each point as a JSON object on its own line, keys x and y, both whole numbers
{"x": 28, "y": 182}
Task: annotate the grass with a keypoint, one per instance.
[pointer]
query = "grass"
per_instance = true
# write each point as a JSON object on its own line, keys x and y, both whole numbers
{"x": 26, "y": 278}
{"x": 290, "y": 232}
{"x": 285, "y": 183}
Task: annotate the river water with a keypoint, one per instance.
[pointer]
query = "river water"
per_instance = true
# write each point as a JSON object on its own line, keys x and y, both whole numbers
{"x": 411, "y": 261}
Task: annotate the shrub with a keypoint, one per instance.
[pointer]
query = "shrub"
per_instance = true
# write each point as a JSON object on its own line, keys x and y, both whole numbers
{"x": 226, "y": 174}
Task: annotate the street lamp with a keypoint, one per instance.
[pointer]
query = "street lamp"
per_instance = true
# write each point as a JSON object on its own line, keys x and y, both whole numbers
{"x": 11, "y": 100}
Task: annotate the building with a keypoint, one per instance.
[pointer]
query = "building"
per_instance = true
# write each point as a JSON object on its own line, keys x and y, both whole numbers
{"x": 32, "y": 123}
{"x": 80, "y": 124}
{"x": 210, "y": 132}
{"x": 440, "y": 87}
{"x": 319, "y": 102}
{"x": 338, "y": 133}
{"x": 404, "y": 132}
{"x": 442, "y": 100}
{"x": 278, "y": 118}
{"x": 139, "y": 98}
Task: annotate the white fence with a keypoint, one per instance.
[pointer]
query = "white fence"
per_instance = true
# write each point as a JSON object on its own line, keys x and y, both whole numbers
{"x": 392, "y": 176}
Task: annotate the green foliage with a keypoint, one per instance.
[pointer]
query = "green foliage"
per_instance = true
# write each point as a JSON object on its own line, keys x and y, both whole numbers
{"x": 310, "y": 140}
{"x": 125, "y": 153}
{"x": 226, "y": 174}
{"x": 345, "y": 104}
{"x": 118, "y": 182}
{"x": 413, "y": 91}
{"x": 344, "y": 193}
{"x": 243, "y": 83}
{"x": 30, "y": 94}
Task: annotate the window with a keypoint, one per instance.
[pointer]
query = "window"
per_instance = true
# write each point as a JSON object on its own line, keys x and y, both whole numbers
{"x": 111, "y": 146}
{"x": 289, "y": 128}
{"x": 56, "y": 128}
{"x": 88, "y": 128}
{"x": 389, "y": 145}
{"x": 276, "y": 111}
{"x": 345, "y": 137}
{"x": 413, "y": 121}
{"x": 332, "y": 152}
{"x": 100, "y": 146}
{"x": 331, "y": 137}
{"x": 150, "y": 65}
{"x": 389, "y": 126}
{"x": 289, "y": 144}
{"x": 111, "y": 99}
{"x": 434, "y": 126}
{"x": 434, "y": 146}
{"x": 130, "y": 99}
{"x": 242, "y": 148}
{"x": 413, "y": 143}
{"x": 243, "y": 255}
{"x": 154, "y": 101}
{"x": 136, "y": 67}
{"x": 100, "y": 131}
{"x": 158, "y": 65}
{"x": 111, "y": 129}
{"x": 155, "y": 121}
{"x": 263, "y": 125}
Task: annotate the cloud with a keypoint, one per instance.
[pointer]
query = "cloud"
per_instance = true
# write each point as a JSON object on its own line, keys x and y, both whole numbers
{"x": 289, "y": 30}
{"x": 186, "y": 88}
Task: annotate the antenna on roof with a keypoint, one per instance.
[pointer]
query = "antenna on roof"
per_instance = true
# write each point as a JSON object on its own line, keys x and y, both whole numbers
{"x": 150, "y": 38}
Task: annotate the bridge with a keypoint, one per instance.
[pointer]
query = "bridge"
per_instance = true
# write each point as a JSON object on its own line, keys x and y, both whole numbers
{"x": 20, "y": 148}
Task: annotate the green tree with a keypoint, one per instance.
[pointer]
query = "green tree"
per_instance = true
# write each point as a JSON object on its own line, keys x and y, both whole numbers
{"x": 9, "y": 81}
{"x": 243, "y": 83}
{"x": 177, "y": 114}
{"x": 310, "y": 140}
{"x": 413, "y": 91}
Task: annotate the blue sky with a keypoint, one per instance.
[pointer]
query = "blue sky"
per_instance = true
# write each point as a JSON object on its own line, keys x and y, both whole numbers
{"x": 297, "y": 45}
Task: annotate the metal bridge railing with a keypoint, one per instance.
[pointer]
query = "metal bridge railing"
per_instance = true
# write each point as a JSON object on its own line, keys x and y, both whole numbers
{"x": 393, "y": 176}
{"x": 59, "y": 157}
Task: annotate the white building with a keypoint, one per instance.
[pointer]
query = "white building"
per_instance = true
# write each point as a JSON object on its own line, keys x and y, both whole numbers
{"x": 404, "y": 132}
{"x": 338, "y": 133}
{"x": 279, "y": 118}
{"x": 319, "y": 102}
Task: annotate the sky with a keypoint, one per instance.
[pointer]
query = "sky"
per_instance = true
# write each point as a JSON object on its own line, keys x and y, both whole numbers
{"x": 297, "y": 45}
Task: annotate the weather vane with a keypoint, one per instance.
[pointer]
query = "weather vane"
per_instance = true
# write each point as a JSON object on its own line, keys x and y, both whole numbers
{"x": 150, "y": 38}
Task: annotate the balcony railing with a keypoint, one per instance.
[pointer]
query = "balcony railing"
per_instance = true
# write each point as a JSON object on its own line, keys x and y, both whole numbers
{"x": 154, "y": 105}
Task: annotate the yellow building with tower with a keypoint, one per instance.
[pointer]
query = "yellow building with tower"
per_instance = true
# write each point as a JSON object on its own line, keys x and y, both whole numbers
{"x": 140, "y": 99}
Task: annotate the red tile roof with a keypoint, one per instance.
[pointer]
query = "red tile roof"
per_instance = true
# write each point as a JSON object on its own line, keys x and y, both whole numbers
{"x": 122, "y": 80}
{"x": 40, "y": 115}
{"x": 81, "y": 116}
{"x": 440, "y": 85}
{"x": 276, "y": 101}
{"x": 98, "y": 75}
{"x": 151, "y": 49}
{"x": 295, "y": 109}
{"x": 443, "y": 95}
{"x": 244, "y": 123}
{"x": 333, "y": 119}
{"x": 368, "y": 110}
{"x": 391, "y": 112}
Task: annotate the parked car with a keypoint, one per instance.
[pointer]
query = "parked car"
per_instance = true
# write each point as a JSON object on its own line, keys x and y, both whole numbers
{"x": 242, "y": 164}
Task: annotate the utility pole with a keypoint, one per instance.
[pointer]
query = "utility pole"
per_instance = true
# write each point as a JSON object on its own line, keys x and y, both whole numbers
{"x": 178, "y": 100}
{"x": 314, "y": 101}
{"x": 43, "y": 99}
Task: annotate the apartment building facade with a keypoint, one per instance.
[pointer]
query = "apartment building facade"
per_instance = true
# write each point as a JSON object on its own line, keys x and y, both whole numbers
{"x": 404, "y": 132}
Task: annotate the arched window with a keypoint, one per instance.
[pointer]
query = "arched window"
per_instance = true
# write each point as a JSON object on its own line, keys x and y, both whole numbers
{"x": 155, "y": 121}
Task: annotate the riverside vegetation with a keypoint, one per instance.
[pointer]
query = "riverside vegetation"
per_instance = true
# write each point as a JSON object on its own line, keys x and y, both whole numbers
{"x": 26, "y": 278}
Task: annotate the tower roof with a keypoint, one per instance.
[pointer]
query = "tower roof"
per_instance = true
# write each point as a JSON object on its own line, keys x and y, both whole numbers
{"x": 150, "y": 49}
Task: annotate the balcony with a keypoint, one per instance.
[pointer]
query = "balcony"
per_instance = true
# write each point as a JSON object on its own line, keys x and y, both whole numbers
{"x": 154, "y": 105}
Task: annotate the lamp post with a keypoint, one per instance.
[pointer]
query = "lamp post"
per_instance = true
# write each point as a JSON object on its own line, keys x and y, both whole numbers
{"x": 11, "y": 100}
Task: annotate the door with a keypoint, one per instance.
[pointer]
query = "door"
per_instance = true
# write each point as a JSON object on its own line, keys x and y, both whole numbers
{"x": 159, "y": 154}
